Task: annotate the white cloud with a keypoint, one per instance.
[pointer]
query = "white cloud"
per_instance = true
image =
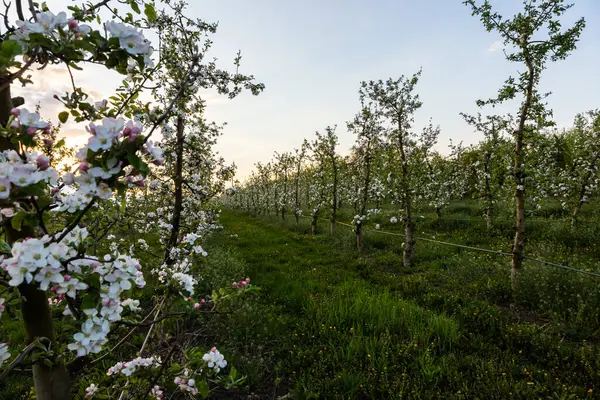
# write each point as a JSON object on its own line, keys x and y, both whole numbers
{"x": 496, "y": 46}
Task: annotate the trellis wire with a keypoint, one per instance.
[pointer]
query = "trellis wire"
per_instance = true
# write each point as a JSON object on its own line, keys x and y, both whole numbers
{"x": 499, "y": 252}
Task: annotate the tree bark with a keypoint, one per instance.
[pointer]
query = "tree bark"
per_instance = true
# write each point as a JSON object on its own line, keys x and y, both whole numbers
{"x": 359, "y": 237}
{"x": 409, "y": 225}
{"x": 488, "y": 185}
{"x": 284, "y": 195}
{"x": 178, "y": 180}
{"x": 519, "y": 241}
{"x": 365, "y": 198}
{"x": 297, "y": 192}
{"x": 334, "y": 203}
{"x": 583, "y": 189}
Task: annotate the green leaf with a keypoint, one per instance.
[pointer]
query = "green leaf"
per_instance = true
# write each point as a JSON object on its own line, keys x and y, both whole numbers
{"x": 18, "y": 219}
{"x": 63, "y": 116}
{"x": 10, "y": 49}
{"x": 93, "y": 282}
{"x": 203, "y": 388}
{"x": 4, "y": 247}
{"x": 139, "y": 164}
{"x": 150, "y": 12}
{"x": 88, "y": 302}
{"x": 134, "y": 6}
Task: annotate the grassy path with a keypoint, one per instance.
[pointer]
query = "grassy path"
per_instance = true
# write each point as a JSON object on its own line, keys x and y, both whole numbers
{"x": 329, "y": 323}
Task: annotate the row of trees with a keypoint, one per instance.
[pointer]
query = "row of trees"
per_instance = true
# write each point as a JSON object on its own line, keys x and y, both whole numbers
{"x": 521, "y": 156}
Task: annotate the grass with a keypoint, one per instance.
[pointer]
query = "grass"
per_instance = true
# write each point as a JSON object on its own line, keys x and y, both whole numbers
{"x": 329, "y": 322}
{"x": 332, "y": 323}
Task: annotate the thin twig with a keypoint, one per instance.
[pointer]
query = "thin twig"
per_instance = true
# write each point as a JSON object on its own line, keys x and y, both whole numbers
{"x": 122, "y": 395}
{"x": 77, "y": 220}
{"x": 20, "y": 72}
{"x": 30, "y": 347}
{"x": 162, "y": 368}
{"x": 131, "y": 331}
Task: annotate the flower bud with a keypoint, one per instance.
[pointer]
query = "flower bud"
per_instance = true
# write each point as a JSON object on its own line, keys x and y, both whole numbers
{"x": 83, "y": 166}
{"x": 43, "y": 162}
{"x": 48, "y": 142}
{"x": 196, "y": 306}
{"x": 31, "y": 131}
{"x": 15, "y": 112}
{"x": 73, "y": 25}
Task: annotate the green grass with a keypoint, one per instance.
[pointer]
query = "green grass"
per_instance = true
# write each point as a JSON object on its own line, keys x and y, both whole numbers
{"x": 332, "y": 323}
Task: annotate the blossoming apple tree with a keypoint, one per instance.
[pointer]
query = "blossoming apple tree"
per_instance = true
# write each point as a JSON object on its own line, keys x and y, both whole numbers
{"x": 57, "y": 264}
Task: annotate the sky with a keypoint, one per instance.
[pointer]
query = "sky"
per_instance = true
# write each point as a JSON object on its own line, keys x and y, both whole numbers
{"x": 313, "y": 54}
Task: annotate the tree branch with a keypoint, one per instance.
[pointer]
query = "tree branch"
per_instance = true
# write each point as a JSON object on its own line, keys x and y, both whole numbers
{"x": 30, "y": 347}
{"x": 77, "y": 220}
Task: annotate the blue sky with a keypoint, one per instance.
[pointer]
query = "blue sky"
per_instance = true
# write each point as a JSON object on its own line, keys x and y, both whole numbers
{"x": 312, "y": 55}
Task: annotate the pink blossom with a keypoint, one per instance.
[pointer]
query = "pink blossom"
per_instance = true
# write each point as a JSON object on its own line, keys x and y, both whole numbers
{"x": 43, "y": 162}
{"x": 8, "y": 212}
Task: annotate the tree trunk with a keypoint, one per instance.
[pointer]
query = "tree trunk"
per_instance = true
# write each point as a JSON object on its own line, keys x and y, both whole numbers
{"x": 334, "y": 203}
{"x": 275, "y": 201}
{"x": 519, "y": 241}
{"x": 438, "y": 212}
{"x": 409, "y": 241}
{"x": 583, "y": 189}
{"x": 51, "y": 382}
{"x": 488, "y": 184}
{"x": 365, "y": 198}
{"x": 297, "y": 195}
{"x": 313, "y": 224}
{"x": 178, "y": 180}
{"x": 574, "y": 216}
{"x": 284, "y": 196}
{"x": 409, "y": 225}
{"x": 359, "y": 237}
{"x": 488, "y": 217}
